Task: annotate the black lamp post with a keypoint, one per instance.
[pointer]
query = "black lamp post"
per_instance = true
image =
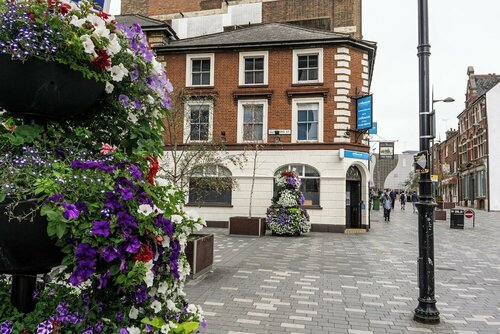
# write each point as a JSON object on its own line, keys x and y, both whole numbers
{"x": 426, "y": 311}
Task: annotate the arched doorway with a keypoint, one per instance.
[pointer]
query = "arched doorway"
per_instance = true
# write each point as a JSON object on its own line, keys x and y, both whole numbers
{"x": 353, "y": 198}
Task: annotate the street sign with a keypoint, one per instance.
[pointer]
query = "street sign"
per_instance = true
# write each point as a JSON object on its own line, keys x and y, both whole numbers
{"x": 373, "y": 130}
{"x": 434, "y": 178}
{"x": 420, "y": 163}
{"x": 386, "y": 150}
{"x": 469, "y": 213}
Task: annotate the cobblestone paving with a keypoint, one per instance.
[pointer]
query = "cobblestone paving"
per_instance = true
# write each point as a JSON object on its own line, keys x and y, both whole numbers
{"x": 355, "y": 284}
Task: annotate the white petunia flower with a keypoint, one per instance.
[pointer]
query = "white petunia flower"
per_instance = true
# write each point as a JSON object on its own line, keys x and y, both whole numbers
{"x": 87, "y": 43}
{"x": 171, "y": 306}
{"x": 165, "y": 329}
{"x": 163, "y": 288}
{"x": 133, "y": 313}
{"x": 182, "y": 240}
{"x": 114, "y": 45}
{"x": 197, "y": 227}
{"x": 149, "y": 278}
{"x": 156, "y": 306}
{"x": 133, "y": 330}
{"x": 118, "y": 72}
{"x": 76, "y": 21}
{"x": 150, "y": 99}
{"x": 176, "y": 218}
{"x": 132, "y": 118}
{"x": 145, "y": 209}
{"x": 109, "y": 88}
{"x": 96, "y": 21}
{"x": 166, "y": 242}
{"x": 101, "y": 32}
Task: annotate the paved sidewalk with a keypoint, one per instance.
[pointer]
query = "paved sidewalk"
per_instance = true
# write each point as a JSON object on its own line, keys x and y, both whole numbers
{"x": 358, "y": 283}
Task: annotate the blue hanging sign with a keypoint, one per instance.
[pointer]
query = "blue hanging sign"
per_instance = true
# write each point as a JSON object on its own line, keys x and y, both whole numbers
{"x": 356, "y": 155}
{"x": 364, "y": 112}
{"x": 373, "y": 130}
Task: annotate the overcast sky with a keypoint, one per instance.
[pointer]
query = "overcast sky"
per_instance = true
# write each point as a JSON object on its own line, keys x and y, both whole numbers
{"x": 462, "y": 33}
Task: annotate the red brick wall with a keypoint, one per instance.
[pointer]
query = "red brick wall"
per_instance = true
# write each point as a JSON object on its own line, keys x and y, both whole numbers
{"x": 280, "y": 79}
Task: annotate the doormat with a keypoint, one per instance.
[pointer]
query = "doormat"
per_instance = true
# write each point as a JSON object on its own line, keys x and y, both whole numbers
{"x": 354, "y": 230}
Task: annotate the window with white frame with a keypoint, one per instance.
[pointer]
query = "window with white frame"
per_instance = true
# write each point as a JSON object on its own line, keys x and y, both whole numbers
{"x": 200, "y": 70}
{"x": 481, "y": 184}
{"x": 307, "y": 66}
{"x": 198, "y": 123}
{"x": 307, "y": 120}
{"x": 210, "y": 185}
{"x": 252, "y": 120}
{"x": 253, "y": 68}
{"x": 481, "y": 146}
{"x": 446, "y": 150}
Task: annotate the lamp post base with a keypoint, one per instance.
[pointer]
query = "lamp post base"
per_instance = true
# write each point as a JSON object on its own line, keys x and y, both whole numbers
{"x": 426, "y": 312}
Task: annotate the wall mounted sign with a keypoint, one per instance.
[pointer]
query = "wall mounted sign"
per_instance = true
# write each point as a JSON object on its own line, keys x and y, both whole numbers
{"x": 354, "y": 155}
{"x": 373, "y": 130}
{"x": 364, "y": 112}
{"x": 279, "y": 132}
{"x": 386, "y": 150}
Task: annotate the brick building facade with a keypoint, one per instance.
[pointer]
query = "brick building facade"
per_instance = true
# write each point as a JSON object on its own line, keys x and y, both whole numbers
{"x": 200, "y": 17}
{"x": 445, "y": 165}
{"x": 293, "y": 88}
{"x": 474, "y": 153}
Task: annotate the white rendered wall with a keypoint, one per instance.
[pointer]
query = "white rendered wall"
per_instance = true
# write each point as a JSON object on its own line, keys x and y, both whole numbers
{"x": 396, "y": 178}
{"x": 493, "y": 116}
{"x": 332, "y": 172}
{"x": 203, "y": 25}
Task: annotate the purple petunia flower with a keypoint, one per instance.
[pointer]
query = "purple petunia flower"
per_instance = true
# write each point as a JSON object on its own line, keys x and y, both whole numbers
{"x": 103, "y": 280}
{"x": 82, "y": 207}
{"x": 135, "y": 172}
{"x": 99, "y": 327}
{"x": 44, "y": 327}
{"x": 166, "y": 224}
{"x": 123, "y": 331}
{"x": 109, "y": 254}
{"x": 125, "y": 193}
{"x": 84, "y": 251}
{"x": 134, "y": 75}
{"x": 70, "y": 211}
{"x": 54, "y": 198}
{"x": 119, "y": 316}
{"x": 124, "y": 100}
{"x": 6, "y": 327}
{"x": 133, "y": 245}
{"x": 100, "y": 227}
{"x": 137, "y": 104}
{"x": 141, "y": 294}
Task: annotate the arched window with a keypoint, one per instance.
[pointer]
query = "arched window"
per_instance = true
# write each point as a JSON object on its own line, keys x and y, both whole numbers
{"x": 310, "y": 181}
{"x": 353, "y": 174}
{"x": 210, "y": 185}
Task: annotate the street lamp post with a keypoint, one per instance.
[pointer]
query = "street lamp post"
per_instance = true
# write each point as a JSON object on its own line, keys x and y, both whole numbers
{"x": 433, "y": 129}
{"x": 426, "y": 311}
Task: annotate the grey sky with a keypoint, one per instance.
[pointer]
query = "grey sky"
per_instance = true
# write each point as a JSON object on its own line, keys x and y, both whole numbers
{"x": 462, "y": 33}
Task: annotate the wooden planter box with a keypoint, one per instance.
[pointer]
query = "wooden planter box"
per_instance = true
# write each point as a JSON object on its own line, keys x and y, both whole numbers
{"x": 247, "y": 226}
{"x": 200, "y": 253}
{"x": 440, "y": 215}
{"x": 449, "y": 205}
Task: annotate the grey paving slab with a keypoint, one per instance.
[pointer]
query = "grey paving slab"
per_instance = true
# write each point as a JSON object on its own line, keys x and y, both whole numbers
{"x": 352, "y": 283}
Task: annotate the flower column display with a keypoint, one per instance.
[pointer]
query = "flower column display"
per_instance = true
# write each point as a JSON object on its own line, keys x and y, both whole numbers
{"x": 91, "y": 175}
{"x": 285, "y": 216}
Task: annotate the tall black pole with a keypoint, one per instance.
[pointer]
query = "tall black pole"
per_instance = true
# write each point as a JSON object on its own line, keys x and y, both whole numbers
{"x": 426, "y": 311}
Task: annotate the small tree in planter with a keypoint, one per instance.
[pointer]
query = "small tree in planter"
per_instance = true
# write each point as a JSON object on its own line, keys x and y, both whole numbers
{"x": 252, "y": 133}
{"x": 285, "y": 216}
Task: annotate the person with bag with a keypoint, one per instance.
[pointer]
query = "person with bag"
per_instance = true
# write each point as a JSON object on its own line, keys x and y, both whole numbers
{"x": 387, "y": 203}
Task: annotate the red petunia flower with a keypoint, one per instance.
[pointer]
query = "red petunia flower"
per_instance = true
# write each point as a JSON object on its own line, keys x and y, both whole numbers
{"x": 64, "y": 8}
{"x": 32, "y": 16}
{"x": 103, "y": 15}
{"x": 102, "y": 60}
{"x": 144, "y": 255}
{"x": 153, "y": 170}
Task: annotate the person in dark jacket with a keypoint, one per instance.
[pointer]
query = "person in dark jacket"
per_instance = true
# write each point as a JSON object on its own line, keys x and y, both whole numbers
{"x": 387, "y": 203}
{"x": 414, "y": 200}
{"x": 392, "y": 195}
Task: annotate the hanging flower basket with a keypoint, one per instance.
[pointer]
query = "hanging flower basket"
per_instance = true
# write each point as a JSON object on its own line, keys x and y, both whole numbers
{"x": 45, "y": 89}
{"x": 25, "y": 247}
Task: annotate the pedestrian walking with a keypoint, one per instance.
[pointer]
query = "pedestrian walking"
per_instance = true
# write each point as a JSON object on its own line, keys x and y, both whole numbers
{"x": 414, "y": 200}
{"x": 402, "y": 200}
{"x": 392, "y": 195}
{"x": 388, "y": 204}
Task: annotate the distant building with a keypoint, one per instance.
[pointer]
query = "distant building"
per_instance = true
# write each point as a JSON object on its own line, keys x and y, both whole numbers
{"x": 392, "y": 173}
{"x": 444, "y": 160}
{"x": 158, "y": 32}
{"x": 190, "y": 18}
{"x": 479, "y": 162}
{"x": 291, "y": 90}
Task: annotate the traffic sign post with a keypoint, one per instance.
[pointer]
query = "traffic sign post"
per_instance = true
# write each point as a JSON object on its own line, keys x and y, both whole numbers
{"x": 469, "y": 213}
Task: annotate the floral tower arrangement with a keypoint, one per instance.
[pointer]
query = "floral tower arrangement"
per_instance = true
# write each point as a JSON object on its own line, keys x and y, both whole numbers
{"x": 285, "y": 216}
{"x": 86, "y": 180}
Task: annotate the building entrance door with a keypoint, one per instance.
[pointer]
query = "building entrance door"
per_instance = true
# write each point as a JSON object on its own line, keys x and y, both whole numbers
{"x": 353, "y": 198}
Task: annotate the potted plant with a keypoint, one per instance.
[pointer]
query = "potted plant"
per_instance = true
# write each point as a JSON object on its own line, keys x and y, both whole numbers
{"x": 285, "y": 216}
{"x": 439, "y": 213}
{"x": 91, "y": 177}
